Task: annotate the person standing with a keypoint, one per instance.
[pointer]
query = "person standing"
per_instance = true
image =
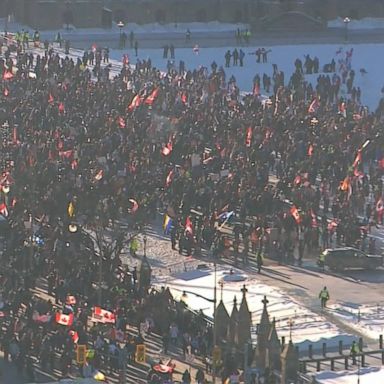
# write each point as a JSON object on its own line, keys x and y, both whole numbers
{"x": 354, "y": 351}
{"x": 324, "y": 297}
{"x": 136, "y": 47}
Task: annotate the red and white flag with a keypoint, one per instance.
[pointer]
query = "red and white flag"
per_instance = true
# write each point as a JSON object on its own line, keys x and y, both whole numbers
{"x": 167, "y": 149}
{"x": 74, "y": 336}
{"x": 248, "y": 137}
{"x": 314, "y": 106}
{"x": 121, "y": 122}
{"x": 343, "y": 109}
{"x": 103, "y": 316}
{"x": 4, "y": 210}
{"x": 7, "y": 75}
{"x": 379, "y": 206}
{"x": 6, "y": 92}
{"x": 189, "y": 226}
{"x": 296, "y": 214}
{"x": 135, "y": 205}
{"x": 152, "y": 97}
{"x": 50, "y": 98}
{"x": 99, "y": 175}
{"x": 64, "y": 319}
{"x": 136, "y": 102}
{"x": 169, "y": 178}
{"x": 358, "y": 159}
{"x": 310, "y": 150}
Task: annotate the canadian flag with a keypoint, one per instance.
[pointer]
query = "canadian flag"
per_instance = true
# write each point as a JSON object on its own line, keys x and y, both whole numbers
{"x": 103, "y": 316}
{"x": 152, "y": 97}
{"x": 169, "y": 178}
{"x": 167, "y": 149}
{"x": 74, "y": 336}
{"x": 296, "y": 215}
{"x": 121, "y": 122}
{"x": 99, "y": 175}
{"x": 379, "y": 206}
{"x": 135, "y": 205}
{"x": 310, "y": 150}
{"x": 136, "y": 102}
{"x": 188, "y": 226}
{"x": 7, "y": 75}
{"x": 314, "y": 106}
{"x": 358, "y": 159}
{"x": 4, "y": 210}
{"x": 64, "y": 319}
{"x": 61, "y": 107}
{"x": 248, "y": 137}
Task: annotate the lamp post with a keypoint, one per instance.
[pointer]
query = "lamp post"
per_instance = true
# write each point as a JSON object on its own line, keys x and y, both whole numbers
{"x": 346, "y": 20}
{"x": 214, "y": 301}
{"x": 120, "y": 24}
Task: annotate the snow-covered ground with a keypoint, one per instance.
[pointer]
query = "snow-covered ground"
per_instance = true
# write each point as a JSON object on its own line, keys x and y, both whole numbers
{"x": 365, "y": 23}
{"x": 307, "y": 326}
{"x": 370, "y": 83}
{"x": 369, "y": 375}
{"x": 366, "y": 319}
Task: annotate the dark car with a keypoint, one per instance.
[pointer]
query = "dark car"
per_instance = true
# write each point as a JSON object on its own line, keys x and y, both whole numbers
{"x": 338, "y": 259}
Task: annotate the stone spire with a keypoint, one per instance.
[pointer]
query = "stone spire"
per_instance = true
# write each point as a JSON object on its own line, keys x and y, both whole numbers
{"x": 245, "y": 322}
{"x": 289, "y": 363}
{"x": 273, "y": 349}
{"x": 233, "y": 324}
{"x": 221, "y": 322}
{"x": 262, "y": 335}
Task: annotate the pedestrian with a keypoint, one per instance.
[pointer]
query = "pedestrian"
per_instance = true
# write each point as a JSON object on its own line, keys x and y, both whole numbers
{"x": 131, "y": 39}
{"x": 324, "y": 297}
{"x": 200, "y": 377}
{"x": 355, "y": 350}
{"x": 172, "y": 51}
{"x": 259, "y": 261}
{"x": 186, "y": 377}
{"x": 188, "y": 35}
{"x": 241, "y": 57}
{"x": 165, "y": 51}
{"x": 136, "y": 47}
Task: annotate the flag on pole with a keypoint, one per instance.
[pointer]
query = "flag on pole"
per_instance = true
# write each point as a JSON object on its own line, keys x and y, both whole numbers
{"x": 380, "y": 206}
{"x": 169, "y": 178}
{"x": 358, "y": 159}
{"x": 152, "y": 97}
{"x": 103, "y": 316}
{"x": 188, "y": 226}
{"x": 136, "y": 102}
{"x": 99, "y": 175}
{"x": 296, "y": 214}
{"x": 310, "y": 150}
{"x": 64, "y": 319}
{"x": 121, "y": 122}
{"x": 314, "y": 106}
{"x": 4, "y": 210}
{"x": 344, "y": 186}
{"x": 167, "y": 224}
{"x": 135, "y": 205}
{"x": 248, "y": 137}
{"x": 7, "y": 75}
{"x": 74, "y": 336}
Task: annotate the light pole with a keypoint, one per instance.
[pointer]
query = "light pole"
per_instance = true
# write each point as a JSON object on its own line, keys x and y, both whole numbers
{"x": 120, "y": 24}
{"x": 214, "y": 301}
{"x": 346, "y": 20}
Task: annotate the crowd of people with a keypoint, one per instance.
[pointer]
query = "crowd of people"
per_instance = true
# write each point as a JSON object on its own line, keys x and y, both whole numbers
{"x": 82, "y": 149}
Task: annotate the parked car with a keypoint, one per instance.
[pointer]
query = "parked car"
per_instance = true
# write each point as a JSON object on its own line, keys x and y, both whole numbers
{"x": 338, "y": 259}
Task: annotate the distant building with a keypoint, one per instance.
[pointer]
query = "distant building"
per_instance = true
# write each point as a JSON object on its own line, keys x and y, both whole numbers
{"x": 54, "y": 14}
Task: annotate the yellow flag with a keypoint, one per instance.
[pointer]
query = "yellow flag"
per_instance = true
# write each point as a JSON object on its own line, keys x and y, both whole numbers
{"x": 71, "y": 209}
